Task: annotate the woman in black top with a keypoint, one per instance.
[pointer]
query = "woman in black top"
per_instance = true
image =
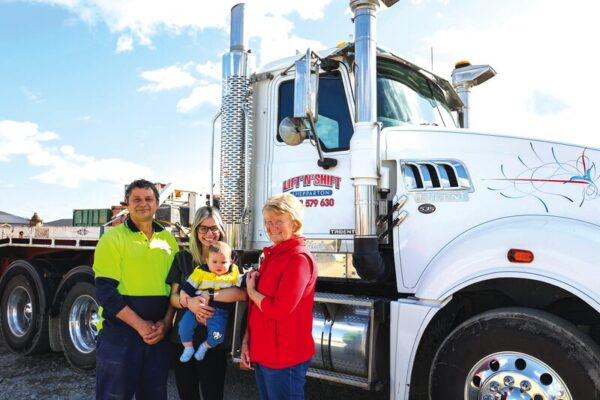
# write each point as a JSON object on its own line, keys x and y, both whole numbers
{"x": 208, "y": 374}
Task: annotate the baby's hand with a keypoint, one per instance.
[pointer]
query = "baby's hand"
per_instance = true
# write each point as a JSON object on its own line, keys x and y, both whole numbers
{"x": 206, "y": 296}
{"x": 184, "y": 298}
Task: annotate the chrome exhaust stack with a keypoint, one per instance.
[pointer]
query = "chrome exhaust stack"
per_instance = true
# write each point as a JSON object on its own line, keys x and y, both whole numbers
{"x": 236, "y": 134}
{"x": 364, "y": 145}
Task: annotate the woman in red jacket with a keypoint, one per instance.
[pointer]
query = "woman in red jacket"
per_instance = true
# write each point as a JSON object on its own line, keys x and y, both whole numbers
{"x": 278, "y": 339}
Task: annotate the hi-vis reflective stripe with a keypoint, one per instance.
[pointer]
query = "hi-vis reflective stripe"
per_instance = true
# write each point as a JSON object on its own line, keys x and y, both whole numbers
{"x": 215, "y": 285}
{"x": 211, "y": 285}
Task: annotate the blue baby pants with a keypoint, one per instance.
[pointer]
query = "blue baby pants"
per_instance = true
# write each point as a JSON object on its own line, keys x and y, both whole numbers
{"x": 217, "y": 327}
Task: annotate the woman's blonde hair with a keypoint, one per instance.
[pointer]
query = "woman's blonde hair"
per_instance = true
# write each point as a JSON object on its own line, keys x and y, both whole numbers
{"x": 289, "y": 205}
{"x": 201, "y": 215}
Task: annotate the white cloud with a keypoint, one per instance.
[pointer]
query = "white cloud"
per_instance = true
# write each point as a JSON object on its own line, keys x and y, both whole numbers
{"x": 124, "y": 44}
{"x": 7, "y": 185}
{"x": 63, "y": 166}
{"x": 111, "y": 170}
{"x": 63, "y": 3}
{"x": 140, "y": 20}
{"x": 182, "y": 179}
{"x": 169, "y": 78}
{"x": 207, "y": 94}
{"x": 32, "y": 96}
{"x": 210, "y": 69}
{"x": 67, "y": 150}
{"x": 275, "y": 31}
{"x": 21, "y": 138}
{"x": 533, "y": 70}
{"x": 275, "y": 47}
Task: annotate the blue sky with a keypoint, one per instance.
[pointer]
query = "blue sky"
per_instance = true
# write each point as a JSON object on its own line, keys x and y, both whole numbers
{"x": 95, "y": 93}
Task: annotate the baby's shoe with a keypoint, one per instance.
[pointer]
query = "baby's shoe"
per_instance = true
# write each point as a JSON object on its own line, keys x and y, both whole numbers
{"x": 187, "y": 354}
{"x": 201, "y": 352}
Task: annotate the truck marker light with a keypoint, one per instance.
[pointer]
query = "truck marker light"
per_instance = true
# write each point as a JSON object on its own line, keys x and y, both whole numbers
{"x": 520, "y": 256}
{"x": 340, "y": 45}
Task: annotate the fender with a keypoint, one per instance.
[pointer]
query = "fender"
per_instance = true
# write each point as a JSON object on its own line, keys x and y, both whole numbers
{"x": 82, "y": 273}
{"x": 33, "y": 274}
{"x": 566, "y": 254}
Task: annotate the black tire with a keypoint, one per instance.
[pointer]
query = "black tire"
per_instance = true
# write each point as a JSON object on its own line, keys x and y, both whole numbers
{"x": 523, "y": 337}
{"x": 23, "y": 316}
{"x": 77, "y": 336}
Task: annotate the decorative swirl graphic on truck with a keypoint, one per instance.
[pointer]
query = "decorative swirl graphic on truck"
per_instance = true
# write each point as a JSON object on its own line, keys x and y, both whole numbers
{"x": 552, "y": 178}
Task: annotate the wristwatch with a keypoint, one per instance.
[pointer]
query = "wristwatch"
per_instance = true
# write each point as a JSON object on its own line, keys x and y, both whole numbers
{"x": 211, "y": 294}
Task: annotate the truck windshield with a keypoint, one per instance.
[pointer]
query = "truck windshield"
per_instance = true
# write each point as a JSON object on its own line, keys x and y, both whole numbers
{"x": 405, "y": 97}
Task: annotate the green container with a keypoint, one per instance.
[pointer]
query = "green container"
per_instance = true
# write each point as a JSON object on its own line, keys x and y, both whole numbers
{"x": 91, "y": 217}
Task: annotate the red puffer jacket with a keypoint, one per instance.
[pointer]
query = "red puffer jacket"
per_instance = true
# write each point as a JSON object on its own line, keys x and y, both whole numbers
{"x": 281, "y": 334}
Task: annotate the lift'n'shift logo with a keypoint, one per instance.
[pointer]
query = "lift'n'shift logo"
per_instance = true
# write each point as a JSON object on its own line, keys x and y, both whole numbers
{"x": 312, "y": 182}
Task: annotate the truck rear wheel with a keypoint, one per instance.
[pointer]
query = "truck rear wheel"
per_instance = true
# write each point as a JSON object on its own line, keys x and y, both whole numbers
{"x": 516, "y": 353}
{"x": 23, "y": 321}
{"x": 78, "y": 318}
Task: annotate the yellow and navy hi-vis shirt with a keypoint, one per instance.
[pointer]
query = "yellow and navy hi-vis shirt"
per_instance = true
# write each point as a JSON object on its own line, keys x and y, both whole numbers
{"x": 200, "y": 280}
{"x": 130, "y": 270}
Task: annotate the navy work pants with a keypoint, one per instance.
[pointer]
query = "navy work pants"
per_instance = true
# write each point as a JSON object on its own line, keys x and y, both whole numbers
{"x": 207, "y": 375}
{"x": 132, "y": 367}
{"x": 281, "y": 384}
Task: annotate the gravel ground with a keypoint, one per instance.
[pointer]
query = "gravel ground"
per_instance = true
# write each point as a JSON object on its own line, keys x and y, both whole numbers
{"x": 49, "y": 377}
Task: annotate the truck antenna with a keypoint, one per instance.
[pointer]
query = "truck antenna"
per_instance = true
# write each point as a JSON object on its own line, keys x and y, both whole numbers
{"x": 431, "y": 58}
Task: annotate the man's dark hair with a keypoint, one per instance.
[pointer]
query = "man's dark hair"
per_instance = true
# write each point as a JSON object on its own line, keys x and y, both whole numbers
{"x": 140, "y": 184}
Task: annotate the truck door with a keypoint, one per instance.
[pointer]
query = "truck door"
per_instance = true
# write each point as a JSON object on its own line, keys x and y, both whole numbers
{"x": 326, "y": 193}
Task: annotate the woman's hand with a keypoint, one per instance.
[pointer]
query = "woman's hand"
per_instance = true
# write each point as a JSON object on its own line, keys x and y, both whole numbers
{"x": 199, "y": 306}
{"x": 245, "y": 353}
{"x": 251, "y": 279}
{"x": 254, "y": 295}
{"x": 184, "y": 299}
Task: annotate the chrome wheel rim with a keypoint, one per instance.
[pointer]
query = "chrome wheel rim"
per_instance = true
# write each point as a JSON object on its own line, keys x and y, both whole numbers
{"x": 19, "y": 311}
{"x": 514, "y": 375}
{"x": 83, "y": 317}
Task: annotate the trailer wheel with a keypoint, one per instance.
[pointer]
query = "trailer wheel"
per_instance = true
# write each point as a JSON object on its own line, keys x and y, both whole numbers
{"x": 78, "y": 318}
{"x": 23, "y": 322}
{"x": 516, "y": 353}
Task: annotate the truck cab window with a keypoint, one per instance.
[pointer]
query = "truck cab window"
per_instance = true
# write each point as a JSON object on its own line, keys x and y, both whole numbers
{"x": 405, "y": 97}
{"x": 334, "y": 125}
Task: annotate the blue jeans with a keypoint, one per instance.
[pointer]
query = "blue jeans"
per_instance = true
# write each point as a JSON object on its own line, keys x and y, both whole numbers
{"x": 281, "y": 384}
{"x": 216, "y": 326}
{"x": 132, "y": 367}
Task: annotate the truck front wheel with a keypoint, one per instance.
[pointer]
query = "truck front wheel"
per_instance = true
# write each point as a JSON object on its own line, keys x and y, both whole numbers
{"x": 78, "y": 318}
{"x": 516, "y": 353}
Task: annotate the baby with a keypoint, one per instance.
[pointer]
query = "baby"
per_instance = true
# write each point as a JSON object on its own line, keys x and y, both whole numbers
{"x": 222, "y": 274}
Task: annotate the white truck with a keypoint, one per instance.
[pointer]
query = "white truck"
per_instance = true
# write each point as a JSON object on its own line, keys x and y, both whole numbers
{"x": 453, "y": 264}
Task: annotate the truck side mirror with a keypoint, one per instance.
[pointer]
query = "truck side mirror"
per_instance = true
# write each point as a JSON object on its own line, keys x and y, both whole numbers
{"x": 292, "y": 131}
{"x": 306, "y": 87}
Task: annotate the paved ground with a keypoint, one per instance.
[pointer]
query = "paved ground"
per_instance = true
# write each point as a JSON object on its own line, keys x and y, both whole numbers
{"x": 48, "y": 377}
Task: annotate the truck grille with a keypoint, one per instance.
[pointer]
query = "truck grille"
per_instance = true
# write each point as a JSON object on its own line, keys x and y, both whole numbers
{"x": 427, "y": 175}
